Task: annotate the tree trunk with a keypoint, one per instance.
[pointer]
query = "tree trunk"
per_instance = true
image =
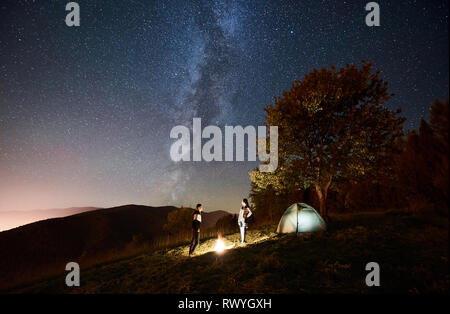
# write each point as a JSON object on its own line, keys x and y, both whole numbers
{"x": 321, "y": 199}
{"x": 322, "y": 193}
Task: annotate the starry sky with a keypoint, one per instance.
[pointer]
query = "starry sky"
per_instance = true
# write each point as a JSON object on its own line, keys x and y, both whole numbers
{"x": 86, "y": 112}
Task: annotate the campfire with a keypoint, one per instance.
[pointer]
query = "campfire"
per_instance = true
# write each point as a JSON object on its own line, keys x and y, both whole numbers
{"x": 220, "y": 245}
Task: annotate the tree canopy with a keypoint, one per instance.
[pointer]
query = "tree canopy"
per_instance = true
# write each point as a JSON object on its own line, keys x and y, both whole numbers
{"x": 332, "y": 127}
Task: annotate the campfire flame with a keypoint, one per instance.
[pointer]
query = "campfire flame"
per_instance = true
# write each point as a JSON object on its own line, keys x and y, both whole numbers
{"x": 220, "y": 246}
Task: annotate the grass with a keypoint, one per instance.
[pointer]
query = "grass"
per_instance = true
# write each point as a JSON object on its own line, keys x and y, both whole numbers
{"x": 412, "y": 252}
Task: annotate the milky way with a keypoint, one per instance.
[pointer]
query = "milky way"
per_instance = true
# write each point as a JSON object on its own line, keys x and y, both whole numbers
{"x": 86, "y": 112}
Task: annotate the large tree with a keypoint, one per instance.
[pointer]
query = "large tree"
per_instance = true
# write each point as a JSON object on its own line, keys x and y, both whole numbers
{"x": 332, "y": 128}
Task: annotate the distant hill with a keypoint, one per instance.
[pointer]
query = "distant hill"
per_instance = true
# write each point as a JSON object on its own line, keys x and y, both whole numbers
{"x": 17, "y": 218}
{"x": 209, "y": 219}
{"x": 45, "y": 245}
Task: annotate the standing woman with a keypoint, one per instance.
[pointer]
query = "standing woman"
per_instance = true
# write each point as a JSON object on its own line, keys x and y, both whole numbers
{"x": 244, "y": 213}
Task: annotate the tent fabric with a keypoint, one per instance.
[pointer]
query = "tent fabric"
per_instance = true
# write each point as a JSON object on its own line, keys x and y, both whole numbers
{"x": 300, "y": 217}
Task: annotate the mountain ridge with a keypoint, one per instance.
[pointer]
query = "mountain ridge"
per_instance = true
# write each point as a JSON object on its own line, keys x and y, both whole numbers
{"x": 11, "y": 219}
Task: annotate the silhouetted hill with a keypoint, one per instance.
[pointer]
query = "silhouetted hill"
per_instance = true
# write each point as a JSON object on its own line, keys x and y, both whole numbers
{"x": 17, "y": 218}
{"x": 87, "y": 237}
{"x": 210, "y": 219}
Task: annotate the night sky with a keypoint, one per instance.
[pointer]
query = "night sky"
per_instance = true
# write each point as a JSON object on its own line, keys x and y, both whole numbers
{"x": 86, "y": 112}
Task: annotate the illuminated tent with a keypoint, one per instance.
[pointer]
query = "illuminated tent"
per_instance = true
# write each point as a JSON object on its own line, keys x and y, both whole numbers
{"x": 300, "y": 217}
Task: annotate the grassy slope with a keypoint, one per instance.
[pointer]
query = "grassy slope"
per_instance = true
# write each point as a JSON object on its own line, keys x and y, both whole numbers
{"x": 412, "y": 253}
{"x": 43, "y": 248}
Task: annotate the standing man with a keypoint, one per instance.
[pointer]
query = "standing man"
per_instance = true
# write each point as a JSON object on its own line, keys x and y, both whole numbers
{"x": 196, "y": 222}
